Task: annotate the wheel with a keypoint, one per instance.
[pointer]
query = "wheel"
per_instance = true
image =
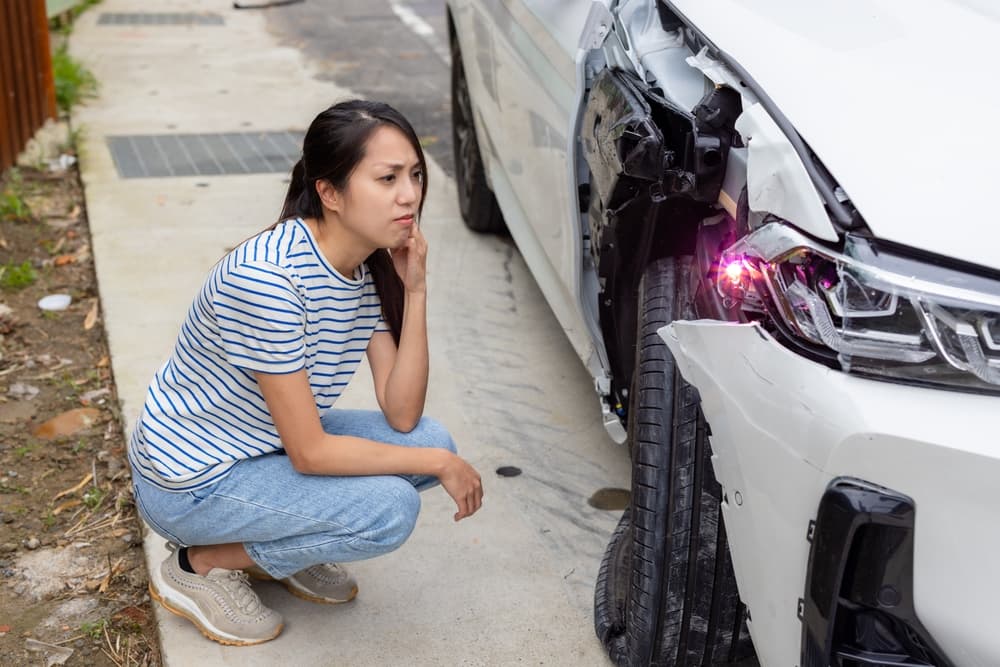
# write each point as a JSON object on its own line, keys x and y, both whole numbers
{"x": 475, "y": 199}
{"x": 666, "y": 593}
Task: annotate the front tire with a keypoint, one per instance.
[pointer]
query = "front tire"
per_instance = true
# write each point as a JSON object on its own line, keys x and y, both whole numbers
{"x": 666, "y": 593}
{"x": 476, "y": 201}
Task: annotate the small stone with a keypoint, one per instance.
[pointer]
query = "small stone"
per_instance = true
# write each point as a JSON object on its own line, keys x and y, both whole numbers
{"x": 7, "y": 518}
{"x": 32, "y": 543}
{"x": 127, "y": 538}
{"x": 8, "y": 547}
{"x": 23, "y": 391}
{"x": 12, "y": 473}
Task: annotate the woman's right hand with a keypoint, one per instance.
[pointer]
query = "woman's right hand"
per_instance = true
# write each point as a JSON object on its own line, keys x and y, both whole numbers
{"x": 463, "y": 484}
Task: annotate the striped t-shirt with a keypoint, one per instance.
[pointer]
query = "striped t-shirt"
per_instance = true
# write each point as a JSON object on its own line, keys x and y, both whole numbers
{"x": 274, "y": 305}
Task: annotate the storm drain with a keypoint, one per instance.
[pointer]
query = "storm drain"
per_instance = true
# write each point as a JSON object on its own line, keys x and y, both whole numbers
{"x": 164, "y": 155}
{"x": 175, "y": 18}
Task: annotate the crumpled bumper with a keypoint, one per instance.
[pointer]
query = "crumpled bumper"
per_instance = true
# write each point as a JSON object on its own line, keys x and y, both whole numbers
{"x": 784, "y": 427}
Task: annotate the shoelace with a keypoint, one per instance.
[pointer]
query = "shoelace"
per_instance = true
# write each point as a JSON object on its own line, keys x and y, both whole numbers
{"x": 237, "y": 584}
{"x": 329, "y": 573}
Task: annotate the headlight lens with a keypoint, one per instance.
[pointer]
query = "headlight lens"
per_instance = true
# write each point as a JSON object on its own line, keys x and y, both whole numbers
{"x": 880, "y": 312}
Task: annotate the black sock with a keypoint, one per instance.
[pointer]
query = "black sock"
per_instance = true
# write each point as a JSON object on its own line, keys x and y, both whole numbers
{"x": 182, "y": 557}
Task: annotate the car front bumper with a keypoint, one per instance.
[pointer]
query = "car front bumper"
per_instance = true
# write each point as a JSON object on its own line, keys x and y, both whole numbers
{"x": 784, "y": 427}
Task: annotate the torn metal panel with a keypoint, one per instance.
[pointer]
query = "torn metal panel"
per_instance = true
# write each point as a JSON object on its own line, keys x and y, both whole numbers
{"x": 656, "y": 170}
{"x": 777, "y": 182}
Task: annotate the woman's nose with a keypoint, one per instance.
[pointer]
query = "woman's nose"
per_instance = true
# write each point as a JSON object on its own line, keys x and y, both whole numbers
{"x": 408, "y": 192}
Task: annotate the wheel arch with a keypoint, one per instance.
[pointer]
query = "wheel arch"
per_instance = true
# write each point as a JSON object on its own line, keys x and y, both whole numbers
{"x": 656, "y": 171}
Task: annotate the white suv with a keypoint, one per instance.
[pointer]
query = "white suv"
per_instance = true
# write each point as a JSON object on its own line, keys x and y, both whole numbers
{"x": 785, "y": 204}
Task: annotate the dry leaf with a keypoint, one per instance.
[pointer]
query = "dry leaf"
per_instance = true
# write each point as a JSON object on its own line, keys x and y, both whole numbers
{"x": 62, "y": 260}
{"x": 104, "y": 361}
{"x": 91, "y": 319}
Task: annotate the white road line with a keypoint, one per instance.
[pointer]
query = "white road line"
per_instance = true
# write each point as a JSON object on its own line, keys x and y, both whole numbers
{"x": 421, "y": 28}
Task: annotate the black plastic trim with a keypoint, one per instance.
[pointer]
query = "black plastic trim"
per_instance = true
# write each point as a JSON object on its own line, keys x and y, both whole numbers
{"x": 859, "y": 607}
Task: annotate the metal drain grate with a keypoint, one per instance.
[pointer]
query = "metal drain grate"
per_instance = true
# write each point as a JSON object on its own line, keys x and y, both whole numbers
{"x": 164, "y": 155}
{"x": 176, "y": 18}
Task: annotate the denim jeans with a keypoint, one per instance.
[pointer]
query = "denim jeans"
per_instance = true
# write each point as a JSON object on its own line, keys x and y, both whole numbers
{"x": 288, "y": 521}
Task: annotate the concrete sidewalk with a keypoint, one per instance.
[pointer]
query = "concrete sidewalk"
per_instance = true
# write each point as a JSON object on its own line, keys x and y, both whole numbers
{"x": 507, "y": 587}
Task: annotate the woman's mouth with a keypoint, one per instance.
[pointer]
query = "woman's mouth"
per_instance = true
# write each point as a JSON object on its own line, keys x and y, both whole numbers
{"x": 404, "y": 219}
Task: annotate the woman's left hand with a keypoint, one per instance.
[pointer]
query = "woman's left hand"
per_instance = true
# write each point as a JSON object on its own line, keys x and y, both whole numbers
{"x": 410, "y": 260}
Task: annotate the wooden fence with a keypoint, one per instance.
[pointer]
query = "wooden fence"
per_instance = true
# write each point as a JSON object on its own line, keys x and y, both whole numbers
{"x": 27, "y": 88}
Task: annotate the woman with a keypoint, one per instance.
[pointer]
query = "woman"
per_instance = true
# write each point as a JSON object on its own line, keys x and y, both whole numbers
{"x": 237, "y": 454}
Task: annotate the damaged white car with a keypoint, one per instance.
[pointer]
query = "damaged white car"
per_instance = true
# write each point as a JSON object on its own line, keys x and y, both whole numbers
{"x": 785, "y": 205}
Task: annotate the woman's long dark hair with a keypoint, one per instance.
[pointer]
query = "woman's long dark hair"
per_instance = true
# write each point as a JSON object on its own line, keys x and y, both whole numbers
{"x": 333, "y": 147}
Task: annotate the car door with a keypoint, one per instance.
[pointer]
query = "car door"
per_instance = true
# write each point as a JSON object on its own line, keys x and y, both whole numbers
{"x": 536, "y": 51}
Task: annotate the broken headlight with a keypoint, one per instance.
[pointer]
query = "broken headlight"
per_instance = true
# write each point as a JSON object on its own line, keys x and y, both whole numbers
{"x": 873, "y": 309}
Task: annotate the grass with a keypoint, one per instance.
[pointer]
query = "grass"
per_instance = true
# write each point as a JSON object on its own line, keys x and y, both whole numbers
{"x": 12, "y": 204}
{"x": 63, "y": 23}
{"x": 93, "y": 497}
{"x": 94, "y": 630}
{"x": 17, "y": 276}
{"x": 12, "y": 207}
{"x": 74, "y": 82}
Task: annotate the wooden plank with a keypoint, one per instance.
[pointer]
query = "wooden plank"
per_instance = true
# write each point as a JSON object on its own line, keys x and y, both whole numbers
{"x": 20, "y": 109}
{"x": 8, "y": 121}
{"x": 32, "y": 108}
{"x": 47, "y": 82}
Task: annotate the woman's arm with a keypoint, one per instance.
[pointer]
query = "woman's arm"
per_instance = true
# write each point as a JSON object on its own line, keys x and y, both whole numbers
{"x": 400, "y": 375}
{"x": 312, "y": 451}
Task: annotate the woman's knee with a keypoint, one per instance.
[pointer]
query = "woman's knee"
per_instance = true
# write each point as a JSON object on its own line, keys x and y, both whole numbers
{"x": 429, "y": 432}
{"x": 392, "y": 517}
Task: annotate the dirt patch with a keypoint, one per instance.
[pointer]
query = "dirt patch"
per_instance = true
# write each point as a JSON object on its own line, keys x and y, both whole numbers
{"x": 72, "y": 573}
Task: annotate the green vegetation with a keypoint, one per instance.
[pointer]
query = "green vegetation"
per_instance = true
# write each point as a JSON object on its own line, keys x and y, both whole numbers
{"x": 93, "y": 497}
{"x": 17, "y": 276}
{"x": 74, "y": 82}
{"x": 95, "y": 629}
{"x": 12, "y": 204}
{"x": 12, "y": 207}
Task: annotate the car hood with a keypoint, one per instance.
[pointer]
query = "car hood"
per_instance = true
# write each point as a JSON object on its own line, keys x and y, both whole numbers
{"x": 898, "y": 100}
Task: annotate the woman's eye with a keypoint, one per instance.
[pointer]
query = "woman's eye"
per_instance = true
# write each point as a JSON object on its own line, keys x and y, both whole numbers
{"x": 390, "y": 178}
{"x": 418, "y": 175}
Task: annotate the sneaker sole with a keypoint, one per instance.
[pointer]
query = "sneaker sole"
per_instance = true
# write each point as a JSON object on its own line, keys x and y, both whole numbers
{"x": 298, "y": 592}
{"x": 210, "y": 633}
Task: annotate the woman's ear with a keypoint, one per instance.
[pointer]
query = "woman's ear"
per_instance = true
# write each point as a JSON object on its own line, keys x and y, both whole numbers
{"x": 328, "y": 194}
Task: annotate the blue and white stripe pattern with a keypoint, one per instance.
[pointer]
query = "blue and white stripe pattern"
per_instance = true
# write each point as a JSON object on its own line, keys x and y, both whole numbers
{"x": 274, "y": 305}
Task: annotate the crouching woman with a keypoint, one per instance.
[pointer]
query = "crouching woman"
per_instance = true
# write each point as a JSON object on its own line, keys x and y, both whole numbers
{"x": 239, "y": 459}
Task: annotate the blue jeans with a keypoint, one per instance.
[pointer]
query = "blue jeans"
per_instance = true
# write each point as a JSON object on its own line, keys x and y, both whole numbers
{"x": 288, "y": 521}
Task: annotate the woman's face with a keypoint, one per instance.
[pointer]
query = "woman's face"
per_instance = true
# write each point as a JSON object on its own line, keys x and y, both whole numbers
{"x": 382, "y": 197}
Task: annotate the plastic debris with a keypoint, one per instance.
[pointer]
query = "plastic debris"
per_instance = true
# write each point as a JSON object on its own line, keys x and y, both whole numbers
{"x": 61, "y": 163}
{"x": 54, "y": 655}
{"x": 55, "y": 302}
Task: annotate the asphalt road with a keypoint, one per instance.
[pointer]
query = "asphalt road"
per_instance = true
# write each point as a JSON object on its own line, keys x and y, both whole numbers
{"x": 375, "y": 48}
